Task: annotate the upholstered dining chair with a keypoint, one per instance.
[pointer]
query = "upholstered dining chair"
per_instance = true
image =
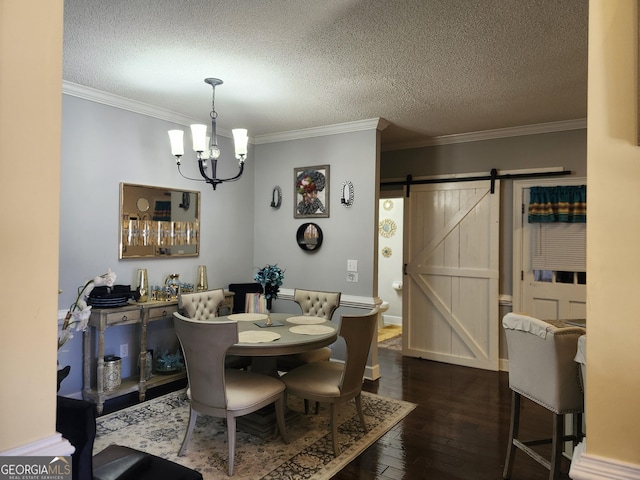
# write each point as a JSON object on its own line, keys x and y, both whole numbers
{"x": 317, "y": 304}
{"x": 336, "y": 383}
{"x": 542, "y": 369}
{"x": 201, "y": 305}
{"x": 217, "y": 391}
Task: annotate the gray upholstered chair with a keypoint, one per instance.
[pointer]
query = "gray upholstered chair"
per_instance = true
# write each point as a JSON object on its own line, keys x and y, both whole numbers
{"x": 217, "y": 391}
{"x": 334, "y": 382}
{"x": 316, "y": 304}
{"x": 201, "y": 305}
{"x": 542, "y": 369}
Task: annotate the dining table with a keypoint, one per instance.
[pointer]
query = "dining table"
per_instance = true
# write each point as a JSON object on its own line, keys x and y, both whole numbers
{"x": 288, "y": 334}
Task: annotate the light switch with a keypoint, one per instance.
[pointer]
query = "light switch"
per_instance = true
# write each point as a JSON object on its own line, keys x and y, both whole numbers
{"x": 352, "y": 265}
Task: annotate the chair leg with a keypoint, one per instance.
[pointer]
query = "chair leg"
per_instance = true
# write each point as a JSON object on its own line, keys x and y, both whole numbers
{"x": 231, "y": 433}
{"x": 280, "y": 418}
{"x": 360, "y": 412}
{"x": 577, "y": 428}
{"x": 513, "y": 433}
{"x": 556, "y": 446}
{"x": 334, "y": 428}
{"x": 193, "y": 415}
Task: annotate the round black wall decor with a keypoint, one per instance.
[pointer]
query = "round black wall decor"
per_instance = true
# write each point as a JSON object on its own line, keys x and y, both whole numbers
{"x": 309, "y": 237}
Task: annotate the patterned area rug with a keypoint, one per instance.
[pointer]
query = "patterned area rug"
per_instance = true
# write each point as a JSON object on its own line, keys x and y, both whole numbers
{"x": 393, "y": 343}
{"x": 157, "y": 427}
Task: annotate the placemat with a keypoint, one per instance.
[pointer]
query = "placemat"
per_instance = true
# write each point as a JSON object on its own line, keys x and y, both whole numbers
{"x": 306, "y": 320}
{"x": 247, "y": 317}
{"x": 258, "y": 336}
{"x": 311, "y": 329}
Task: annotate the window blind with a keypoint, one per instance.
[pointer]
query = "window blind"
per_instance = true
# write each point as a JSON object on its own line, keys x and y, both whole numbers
{"x": 559, "y": 246}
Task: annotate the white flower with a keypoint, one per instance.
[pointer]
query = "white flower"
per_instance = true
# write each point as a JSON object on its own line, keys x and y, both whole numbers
{"x": 79, "y": 312}
{"x": 106, "y": 280}
{"x": 81, "y": 317}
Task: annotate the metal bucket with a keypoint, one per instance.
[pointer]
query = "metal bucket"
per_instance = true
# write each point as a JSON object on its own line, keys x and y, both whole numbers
{"x": 112, "y": 373}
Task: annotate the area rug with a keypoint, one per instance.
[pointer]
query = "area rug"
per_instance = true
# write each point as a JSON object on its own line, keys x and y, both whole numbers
{"x": 393, "y": 343}
{"x": 157, "y": 427}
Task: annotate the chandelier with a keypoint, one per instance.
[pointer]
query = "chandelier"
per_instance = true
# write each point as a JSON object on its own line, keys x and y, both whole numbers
{"x": 208, "y": 157}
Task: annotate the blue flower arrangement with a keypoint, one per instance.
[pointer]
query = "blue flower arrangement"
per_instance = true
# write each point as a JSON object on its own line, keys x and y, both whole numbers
{"x": 271, "y": 278}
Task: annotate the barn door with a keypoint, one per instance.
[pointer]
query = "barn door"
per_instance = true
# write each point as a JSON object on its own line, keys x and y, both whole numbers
{"x": 450, "y": 311}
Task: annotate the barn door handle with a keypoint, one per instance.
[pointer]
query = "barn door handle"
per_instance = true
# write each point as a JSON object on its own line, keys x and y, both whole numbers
{"x": 404, "y": 269}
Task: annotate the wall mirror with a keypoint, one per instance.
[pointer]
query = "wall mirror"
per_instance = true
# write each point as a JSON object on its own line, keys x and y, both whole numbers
{"x": 309, "y": 236}
{"x": 158, "y": 222}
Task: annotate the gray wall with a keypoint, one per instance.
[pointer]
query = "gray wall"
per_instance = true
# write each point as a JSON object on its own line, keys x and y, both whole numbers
{"x": 103, "y": 146}
{"x": 349, "y": 233}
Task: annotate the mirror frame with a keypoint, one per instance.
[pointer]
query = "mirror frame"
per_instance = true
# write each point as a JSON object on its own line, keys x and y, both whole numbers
{"x": 136, "y": 244}
{"x": 306, "y": 243}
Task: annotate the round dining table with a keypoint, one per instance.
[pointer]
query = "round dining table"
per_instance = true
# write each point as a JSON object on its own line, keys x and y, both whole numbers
{"x": 290, "y": 334}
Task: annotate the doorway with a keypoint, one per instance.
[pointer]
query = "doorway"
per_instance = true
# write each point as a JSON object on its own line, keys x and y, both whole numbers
{"x": 558, "y": 291}
{"x": 390, "y": 238}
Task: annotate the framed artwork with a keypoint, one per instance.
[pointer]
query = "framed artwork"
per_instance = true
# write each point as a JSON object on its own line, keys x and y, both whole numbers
{"x": 311, "y": 192}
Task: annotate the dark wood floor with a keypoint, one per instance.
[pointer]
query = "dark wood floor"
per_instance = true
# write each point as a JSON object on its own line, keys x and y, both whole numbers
{"x": 458, "y": 430}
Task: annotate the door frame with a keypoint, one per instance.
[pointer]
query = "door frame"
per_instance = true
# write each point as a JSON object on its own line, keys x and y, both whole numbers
{"x": 518, "y": 195}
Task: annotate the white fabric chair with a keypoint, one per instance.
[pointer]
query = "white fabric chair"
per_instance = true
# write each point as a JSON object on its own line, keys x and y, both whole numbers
{"x": 542, "y": 369}
{"x": 201, "y": 305}
{"x": 217, "y": 391}
{"x": 316, "y": 304}
{"x": 333, "y": 382}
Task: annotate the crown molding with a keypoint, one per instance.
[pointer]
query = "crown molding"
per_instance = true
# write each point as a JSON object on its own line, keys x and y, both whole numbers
{"x": 98, "y": 96}
{"x": 347, "y": 127}
{"x": 523, "y": 130}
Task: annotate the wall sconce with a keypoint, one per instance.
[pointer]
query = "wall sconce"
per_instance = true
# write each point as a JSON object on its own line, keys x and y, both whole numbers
{"x": 276, "y": 197}
{"x": 200, "y": 140}
{"x": 346, "y": 196}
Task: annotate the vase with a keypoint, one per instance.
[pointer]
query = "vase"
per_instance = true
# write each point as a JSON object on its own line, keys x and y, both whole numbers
{"x": 143, "y": 285}
{"x": 202, "y": 284}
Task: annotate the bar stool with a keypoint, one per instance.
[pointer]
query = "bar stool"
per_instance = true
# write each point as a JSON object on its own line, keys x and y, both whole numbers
{"x": 542, "y": 369}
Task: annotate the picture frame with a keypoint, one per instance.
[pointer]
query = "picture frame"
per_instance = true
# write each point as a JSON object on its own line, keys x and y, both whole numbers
{"x": 311, "y": 192}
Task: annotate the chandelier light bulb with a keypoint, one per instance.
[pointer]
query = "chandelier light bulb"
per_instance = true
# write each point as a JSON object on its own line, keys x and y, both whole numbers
{"x": 199, "y": 135}
{"x": 177, "y": 142}
{"x": 206, "y": 148}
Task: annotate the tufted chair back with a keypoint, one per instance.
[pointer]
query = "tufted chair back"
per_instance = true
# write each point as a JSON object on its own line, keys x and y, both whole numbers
{"x": 541, "y": 362}
{"x": 317, "y": 303}
{"x": 201, "y": 305}
{"x": 542, "y": 369}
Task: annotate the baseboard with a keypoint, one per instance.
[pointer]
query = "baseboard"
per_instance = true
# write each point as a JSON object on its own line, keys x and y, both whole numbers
{"x": 55, "y": 445}
{"x": 591, "y": 467}
{"x": 372, "y": 372}
{"x": 391, "y": 320}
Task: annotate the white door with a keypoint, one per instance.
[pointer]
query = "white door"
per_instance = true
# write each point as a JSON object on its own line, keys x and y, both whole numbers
{"x": 450, "y": 308}
{"x": 547, "y": 294}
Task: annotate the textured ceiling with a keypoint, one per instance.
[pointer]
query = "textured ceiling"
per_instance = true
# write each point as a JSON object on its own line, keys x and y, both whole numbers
{"x": 430, "y": 67}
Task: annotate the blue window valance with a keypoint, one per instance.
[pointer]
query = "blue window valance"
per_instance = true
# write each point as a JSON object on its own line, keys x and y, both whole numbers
{"x": 564, "y": 203}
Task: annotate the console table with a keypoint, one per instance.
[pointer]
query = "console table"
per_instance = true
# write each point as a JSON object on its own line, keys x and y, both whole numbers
{"x": 136, "y": 313}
